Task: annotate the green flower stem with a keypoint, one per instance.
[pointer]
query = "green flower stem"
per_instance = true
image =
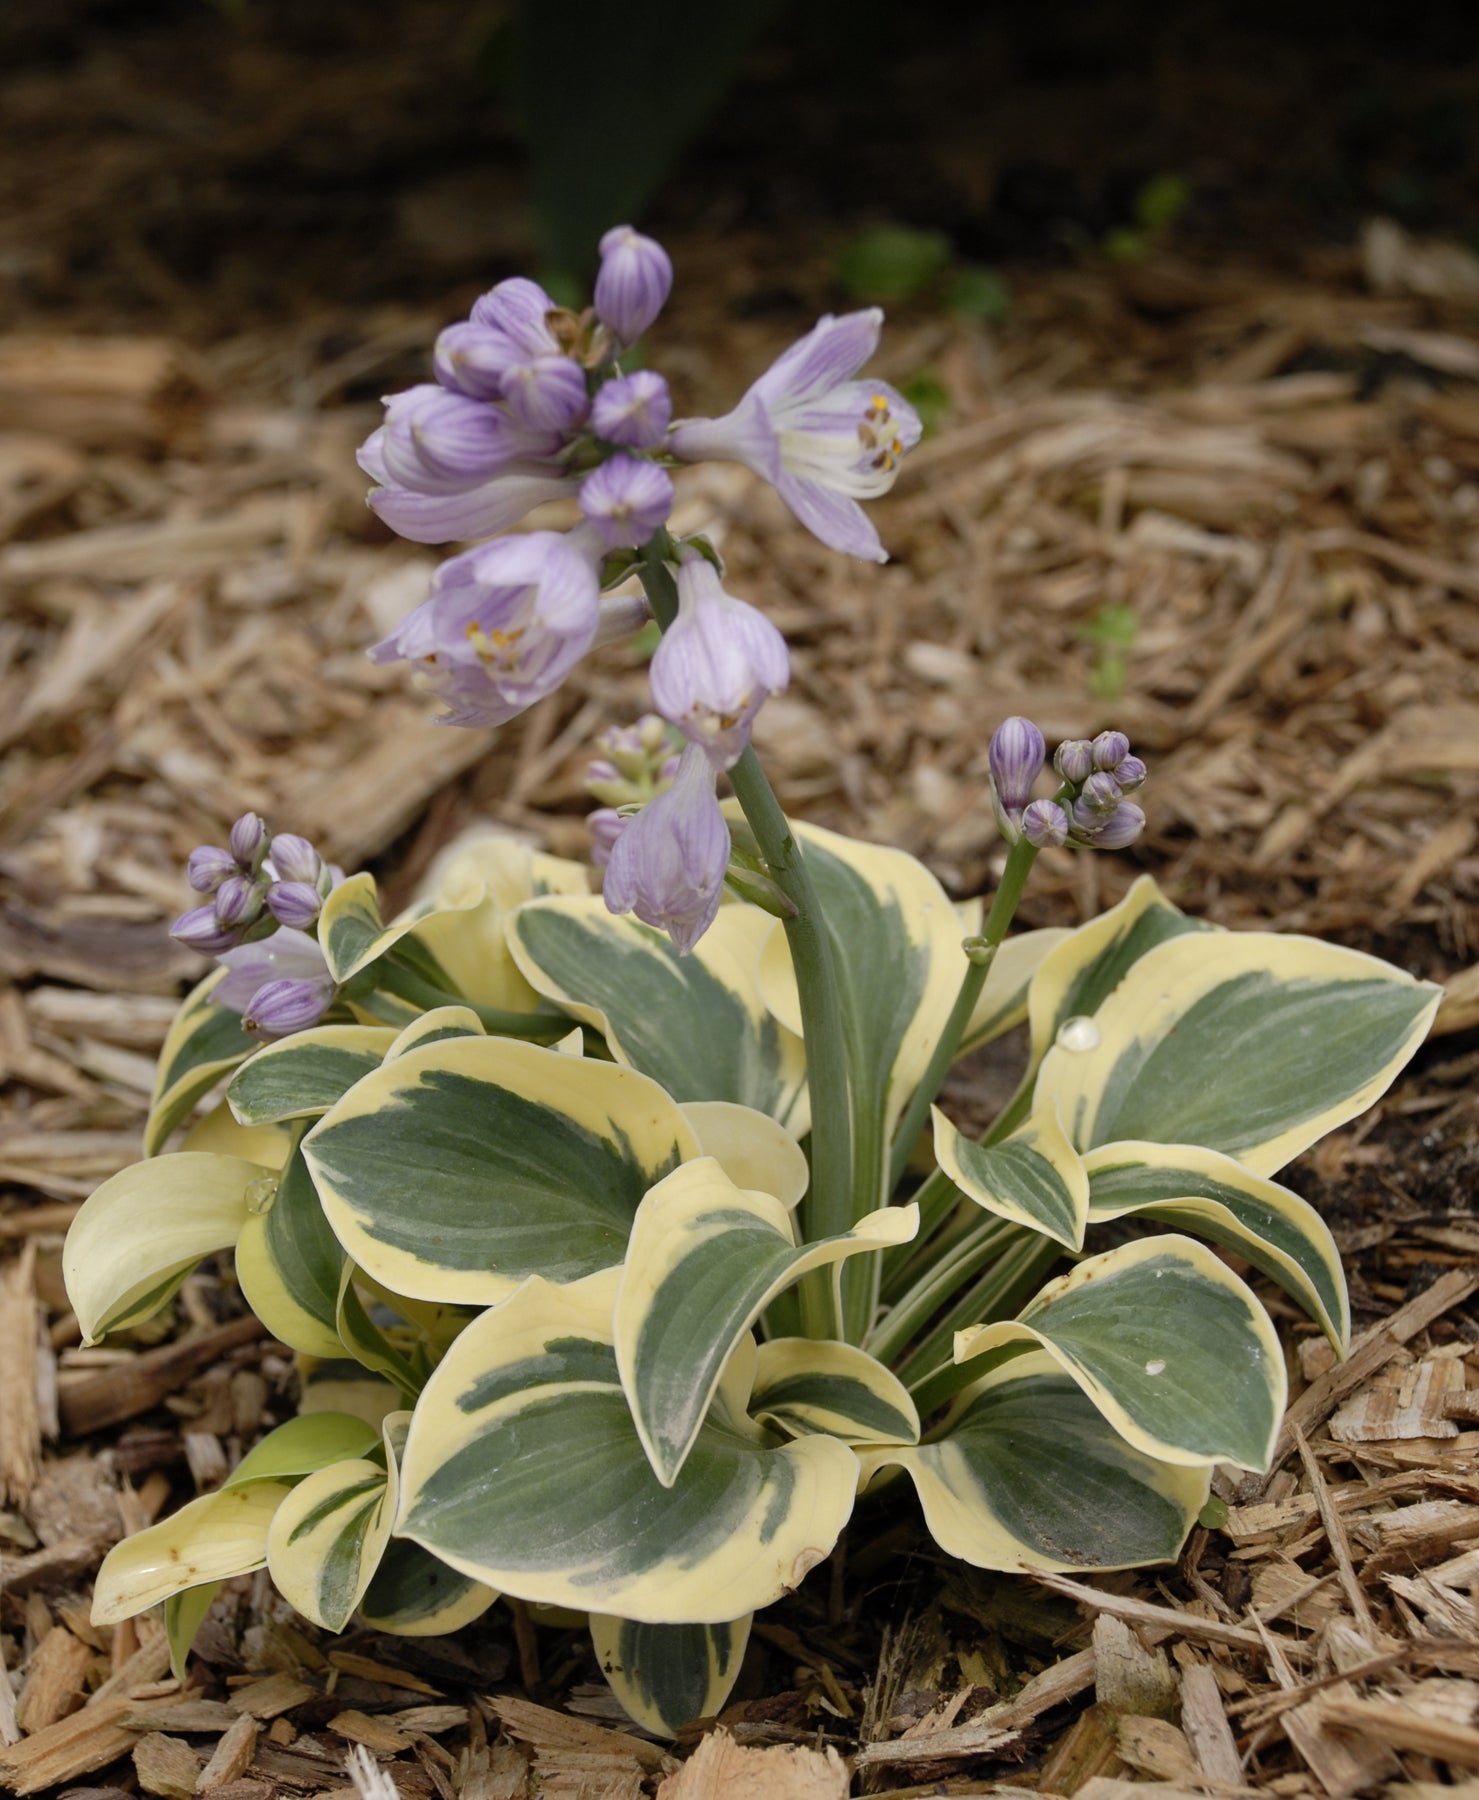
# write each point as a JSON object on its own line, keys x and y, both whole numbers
{"x": 542, "y": 1028}
{"x": 827, "y": 1210}
{"x": 930, "y": 1373}
{"x": 1003, "y": 906}
{"x": 984, "y": 1243}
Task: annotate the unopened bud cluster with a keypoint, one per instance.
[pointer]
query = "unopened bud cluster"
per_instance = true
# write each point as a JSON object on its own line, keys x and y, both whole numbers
{"x": 1090, "y": 807}
{"x": 266, "y": 894}
{"x": 636, "y": 764}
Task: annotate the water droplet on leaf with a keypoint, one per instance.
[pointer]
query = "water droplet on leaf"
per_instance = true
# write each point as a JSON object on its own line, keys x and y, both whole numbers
{"x": 1155, "y": 1368}
{"x": 1079, "y": 1034}
{"x": 260, "y": 1194}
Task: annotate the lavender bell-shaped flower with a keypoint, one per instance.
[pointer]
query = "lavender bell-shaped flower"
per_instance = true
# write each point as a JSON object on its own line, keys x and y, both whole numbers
{"x": 634, "y": 282}
{"x": 504, "y": 626}
{"x": 296, "y": 904}
{"x": 1045, "y": 825}
{"x": 626, "y": 499}
{"x": 716, "y": 665}
{"x": 1074, "y": 760}
{"x": 547, "y": 393}
{"x": 1119, "y": 828}
{"x": 822, "y": 438}
{"x": 606, "y": 825}
{"x": 294, "y": 858}
{"x": 633, "y": 410}
{"x": 439, "y": 443}
{"x": 282, "y": 1007}
{"x": 208, "y": 867}
{"x": 452, "y": 513}
{"x": 509, "y": 325}
{"x": 288, "y": 960}
{"x": 667, "y": 866}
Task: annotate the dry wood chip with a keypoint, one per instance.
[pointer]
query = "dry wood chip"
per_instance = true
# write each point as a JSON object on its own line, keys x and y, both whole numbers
{"x": 1157, "y": 1748}
{"x": 1401, "y": 1403}
{"x": 86, "y": 1740}
{"x": 190, "y": 1715}
{"x": 124, "y": 1392}
{"x": 1386, "y": 1723}
{"x": 20, "y": 1417}
{"x": 272, "y": 1695}
{"x": 10, "y": 1731}
{"x": 166, "y": 1766}
{"x": 1205, "y": 1723}
{"x": 385, "y": 1673}
{"x": 552, "y": 1731}
{"x": 1127, "y": 1676}
{"x": 232, "y": 1756}
{"x": 721, "y": 1768}
{"x": 430, "y": 1719}
{"x": 54, "y": 1679}
{"x": 374, "y": 1734}
{"x": 493, "y": 1772}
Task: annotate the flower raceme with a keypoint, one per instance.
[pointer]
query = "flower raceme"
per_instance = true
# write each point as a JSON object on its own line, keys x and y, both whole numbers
{"x": 822, "y": 438}
{"x": 716, "y": 664}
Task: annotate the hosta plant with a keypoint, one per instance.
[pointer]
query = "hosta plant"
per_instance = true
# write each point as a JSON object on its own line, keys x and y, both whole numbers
{"x": 620, "y": 1238}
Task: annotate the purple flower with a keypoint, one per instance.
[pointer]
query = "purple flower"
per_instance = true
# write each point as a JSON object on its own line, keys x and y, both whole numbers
{"x": 1120, "y": 828}
{"x": 668, "y": 864}
{"x": 294, "y": 858}
{"x": 504, "y": 626}
{"x": 825, "y": 440}
{"x": 249, "y": 840}
{"x": 626, "y": 499}
{"x": 548, "y": 393}
{"x": 509, "y": 325}
{"x": 716, "y": 665}
{"x": 520, "y": 309}
{"x": 238, "y": 902}
{"x": 634, "y": 282}
{"x": 285, "y": 956}
{"x": 208, "y": 867}
{"x": 1074, "y": 760}
{"x": 294, "y": 903}
{"x": 199, "y": 929}
{"x": 633, "y": 410}
{"x": 1016, "y": 754}
{"x": 1045, "y": 825}
{"x": 606, "y": 826}
{"x": 434, "y": 442}
{"x": 1097, "y": 799}
{"x": 1110, "y": 748}
{"x": 282, "y": 1007}
{"x": 1130, "y": 774}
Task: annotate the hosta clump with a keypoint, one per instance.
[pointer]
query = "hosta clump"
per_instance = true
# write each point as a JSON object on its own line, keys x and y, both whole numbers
{"x": 621, "y": 1254}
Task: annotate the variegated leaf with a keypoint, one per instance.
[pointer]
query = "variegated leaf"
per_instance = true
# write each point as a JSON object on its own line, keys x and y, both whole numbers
{"x": 704, "y": 1261}
{"x": 214, "y": 1537}
{"x": 524, "y": 1470}
{"x": 1215, "y": 1196}
{"x": 326, "y": 1539}
{"x": 370, "y": 1344}
{"x": 1252, "y": 1043}
{"x": 754, "y": 1150}
{"x": 463, "y": 1166}
{"x": 1035, "y": 1177}
{"x": 431, "y": 1027}
{"x": 415, "y": 1594}
{"x": 805, "y": 1385}
{"x": 302, "y": 1445}
{"x": 1079, "y": 974}
{"x": 1028, "y": 1474}
{"x": 896, "y": 945}
{"x": 1167, "y": 1343}
{"x": 695, "y": 1023}
{"x": 289, "y": 1264}
{"x": 667, "y": 1675}
{"x": 1003, "y": 1000}
{"x": 304, "y": 1075}
{"x": 329, "y": 1384}
{"x": 217, "y": 1132}
{"x": 137, "y": 1237}
{"x": 204, "y": 1041}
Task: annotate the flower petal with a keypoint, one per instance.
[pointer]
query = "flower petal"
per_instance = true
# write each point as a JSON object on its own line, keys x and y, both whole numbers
{"x": 832, "y": 517}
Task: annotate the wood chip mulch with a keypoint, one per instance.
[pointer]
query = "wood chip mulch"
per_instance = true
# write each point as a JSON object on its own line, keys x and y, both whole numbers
{"x": 1234, "y": 512}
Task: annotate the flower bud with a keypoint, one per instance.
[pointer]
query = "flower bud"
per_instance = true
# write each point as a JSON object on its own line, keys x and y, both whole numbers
{"x": 295, "y": 904}
{"x": 1016, "y": 757}
{"x": 1045, "y": 825}
{"x": 668, "y": 864}
{"x": 1100, "y": 794}
{"x": 634, "y": 410}
{"x": 1074, "y": 760}
{"x": 1122, "y": 827}
{"x": 606, "y": 827}
{"x": 634, "y": 282}
{"x": 1110, "y": 748}
{"x": 294, "y": 858}
{"x": 626, "y": 499}
{"x": 238, "y": 902}
{"x": 1130, "y": 773}
{"x": 249, "y": 840}
{"x": 283, "y": 1007}
{"x": 198, "y": 930}
{"x": 208, "y": 867}
{"x": 547, "y": 393}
